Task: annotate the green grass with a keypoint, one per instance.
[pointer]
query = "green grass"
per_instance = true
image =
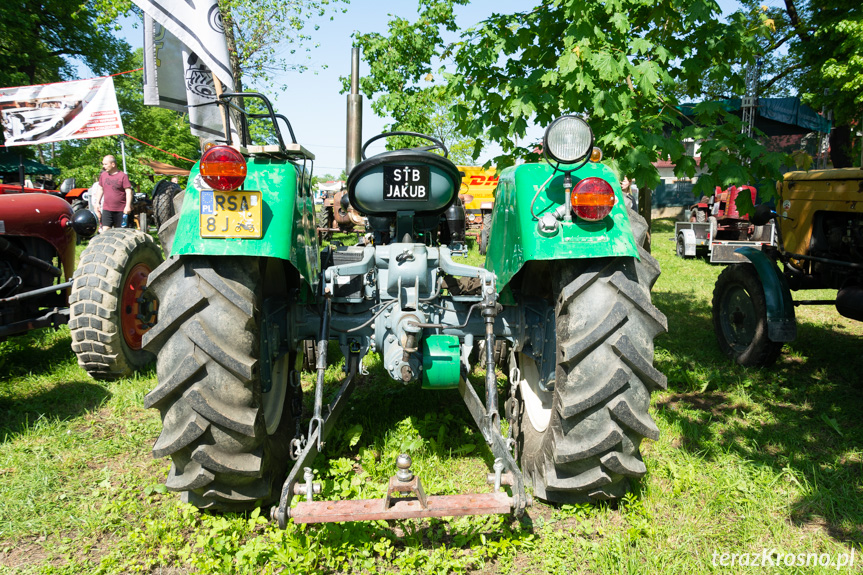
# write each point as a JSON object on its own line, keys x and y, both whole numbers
{"x": 747, "y": 460}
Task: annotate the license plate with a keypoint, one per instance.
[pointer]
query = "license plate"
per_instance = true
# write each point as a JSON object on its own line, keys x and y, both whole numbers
{"x": 231, "y": 214}
{"x": 406, "y": 183}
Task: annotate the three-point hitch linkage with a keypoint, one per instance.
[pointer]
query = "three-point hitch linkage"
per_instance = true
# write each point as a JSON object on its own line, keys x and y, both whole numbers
{"x": 395, "y": 328}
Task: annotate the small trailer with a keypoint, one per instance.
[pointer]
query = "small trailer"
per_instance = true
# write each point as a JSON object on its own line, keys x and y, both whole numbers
{"x": 716, "y": 226}
{"x": 695, "y": 237}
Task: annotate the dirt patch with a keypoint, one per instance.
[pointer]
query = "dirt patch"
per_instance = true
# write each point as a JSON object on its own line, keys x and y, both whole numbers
{"x": 681, "y": 442}
{"x": 714, "y": 402}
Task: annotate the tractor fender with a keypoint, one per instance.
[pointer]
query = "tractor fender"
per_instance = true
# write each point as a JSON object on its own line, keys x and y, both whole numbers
{"x": 288, "y": 215}
{"x": 527, "y": 192}
{"x": 688, "y": 242}
{"x": 781, "y": 323}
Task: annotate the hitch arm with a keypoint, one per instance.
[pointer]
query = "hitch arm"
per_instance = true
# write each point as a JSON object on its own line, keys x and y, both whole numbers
{"x": 318, "y": 436}
{"x": 498, "y": 445}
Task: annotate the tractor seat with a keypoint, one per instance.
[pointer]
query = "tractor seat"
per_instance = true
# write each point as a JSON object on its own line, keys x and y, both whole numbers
{"x": 404, "y": 180}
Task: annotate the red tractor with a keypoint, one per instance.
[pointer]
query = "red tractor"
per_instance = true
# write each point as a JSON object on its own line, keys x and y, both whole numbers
{"x": 716, "y": 225}
{"x": 104, "y": 300}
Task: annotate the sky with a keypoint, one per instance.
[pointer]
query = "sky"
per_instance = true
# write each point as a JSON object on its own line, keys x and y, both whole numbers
{"x": 312, "y": 101}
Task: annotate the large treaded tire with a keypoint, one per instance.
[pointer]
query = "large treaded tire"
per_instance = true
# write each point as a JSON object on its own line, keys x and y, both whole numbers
{"x": 740, "y": 317}
{"x": 587, "y": 448}
{"x": 209, "y": 393}
{"x": 324, "y": 221}
{"x": 106, "y": 301}
{"x": 163, "y": 202}
{"x": 168, "y": 229}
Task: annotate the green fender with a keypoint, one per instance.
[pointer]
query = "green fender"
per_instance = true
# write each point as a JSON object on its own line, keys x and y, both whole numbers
{"x": 288, "y": 219}
{"x": 515, "y": 239}
{"x": 781, "y": 323}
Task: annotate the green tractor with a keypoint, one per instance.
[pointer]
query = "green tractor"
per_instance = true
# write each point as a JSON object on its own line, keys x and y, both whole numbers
{"x": 562, "y": 306}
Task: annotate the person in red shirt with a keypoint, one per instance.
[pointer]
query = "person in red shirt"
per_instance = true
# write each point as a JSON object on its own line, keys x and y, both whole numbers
{"x": 116, "y": 197}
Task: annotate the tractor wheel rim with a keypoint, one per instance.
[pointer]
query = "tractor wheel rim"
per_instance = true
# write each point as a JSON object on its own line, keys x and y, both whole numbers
{"x": 738, "y": 318}
{"x": 537, "y": 403}
{"x": 273, "y": 401}
{"x": 136, "y": 308}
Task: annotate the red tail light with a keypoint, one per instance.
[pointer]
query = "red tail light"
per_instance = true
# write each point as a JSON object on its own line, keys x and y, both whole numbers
{"x": 592, "y": 199}
{"x": 223, "y": 168}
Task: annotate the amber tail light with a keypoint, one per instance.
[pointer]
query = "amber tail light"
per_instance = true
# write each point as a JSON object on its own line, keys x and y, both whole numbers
{"x": 223, "y": 168}
{"x": 592, "y": 199}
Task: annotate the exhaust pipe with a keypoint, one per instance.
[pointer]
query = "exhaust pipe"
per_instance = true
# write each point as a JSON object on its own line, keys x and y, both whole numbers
{"x": 355, "y": 115}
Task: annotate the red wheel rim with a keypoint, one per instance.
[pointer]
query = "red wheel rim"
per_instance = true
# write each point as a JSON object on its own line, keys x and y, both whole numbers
{"x": 136, "y": 309}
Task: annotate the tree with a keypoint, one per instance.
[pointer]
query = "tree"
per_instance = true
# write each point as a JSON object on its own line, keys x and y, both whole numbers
{"x": 260, "y": 33}
{"x": 159, "y": 127}
{"x": 816, "y": 48}
{"x": 38, "y": 41}
{"x": 626, "y": 64}
{"x": 401, "y": 84}
{"x": 832, "y": 56}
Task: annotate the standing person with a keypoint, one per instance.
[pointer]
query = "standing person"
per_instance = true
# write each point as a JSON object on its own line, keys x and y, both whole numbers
{"x": 116, "y": 197}
{"x": 631, "y": 190}
{"x": 94, "y": 199}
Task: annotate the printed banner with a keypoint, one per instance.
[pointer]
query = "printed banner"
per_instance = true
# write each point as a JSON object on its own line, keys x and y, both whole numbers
{"x": 175, "y": 78}
{"x": 61, "y": 111}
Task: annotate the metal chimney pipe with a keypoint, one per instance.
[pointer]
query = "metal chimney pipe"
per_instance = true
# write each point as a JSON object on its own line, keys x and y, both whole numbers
{"x": 355, "y": 115}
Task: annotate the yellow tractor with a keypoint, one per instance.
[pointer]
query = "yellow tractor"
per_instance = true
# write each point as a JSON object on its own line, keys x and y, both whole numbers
{"x": 819, "y": 246}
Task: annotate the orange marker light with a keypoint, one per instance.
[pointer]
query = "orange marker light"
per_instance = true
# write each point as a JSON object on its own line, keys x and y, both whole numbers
{"x": 595, "y": 155}
{"x": 223, "y": 168}
{"x": 592, "y": 199}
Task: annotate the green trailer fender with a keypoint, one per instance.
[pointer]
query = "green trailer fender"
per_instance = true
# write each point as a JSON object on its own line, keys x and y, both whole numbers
{"x": 288, "y": 219}
{"x": 515, "y": 238}
{"x": 781, "y": 323}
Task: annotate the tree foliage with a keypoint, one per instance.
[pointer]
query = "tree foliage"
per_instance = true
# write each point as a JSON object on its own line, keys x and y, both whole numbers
{"x": 271, "y": 35}
{"x": 401, "y": 83}
{"x": 159, "y": 127}
{"x": 38, "y": 41}
{"x": 268, "y": 35}
{"x": 815, "y": 48}
{"x": 627, "y": 65}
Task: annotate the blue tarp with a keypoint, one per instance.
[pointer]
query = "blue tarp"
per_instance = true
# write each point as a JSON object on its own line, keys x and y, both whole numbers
{"x": 10, "y": 162}
{"x": 778, "y": 116}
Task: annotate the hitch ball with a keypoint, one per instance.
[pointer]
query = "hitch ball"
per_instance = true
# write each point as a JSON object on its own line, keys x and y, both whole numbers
{"x": 403, "y": 463}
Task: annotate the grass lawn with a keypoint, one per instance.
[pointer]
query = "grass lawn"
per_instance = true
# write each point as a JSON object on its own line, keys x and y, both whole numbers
{"x": 750, "y": 462}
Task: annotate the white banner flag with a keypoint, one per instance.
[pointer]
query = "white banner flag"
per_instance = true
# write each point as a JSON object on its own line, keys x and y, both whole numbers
{"x": 61, "y": 111}
{"x": 198, "y": 25}
{"x": 182, "y": 44}
{"x": 175, "y": 78}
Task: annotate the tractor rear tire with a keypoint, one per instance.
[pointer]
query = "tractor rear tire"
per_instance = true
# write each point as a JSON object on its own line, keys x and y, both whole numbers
{"x": 228, "y": 441}
{"x": 580, "y": 440}
{"x": 111, "y": 308}
{"x": 163, "y": 202}
{"x": 324, "y": 221}
{"x": 740, "y": 317}
{"x": 168, "y": 229}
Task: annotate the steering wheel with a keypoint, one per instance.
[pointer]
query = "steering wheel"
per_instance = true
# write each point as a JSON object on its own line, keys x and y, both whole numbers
{"x": 438, "y": 145}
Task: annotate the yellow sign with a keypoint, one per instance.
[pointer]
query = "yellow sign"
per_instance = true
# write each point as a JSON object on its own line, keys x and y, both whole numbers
{"x": 479, "y": 184}
{"x": 231, "y": 214}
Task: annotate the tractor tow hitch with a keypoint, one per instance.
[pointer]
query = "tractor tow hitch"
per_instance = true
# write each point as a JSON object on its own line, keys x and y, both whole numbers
{"x": 394, "y": 506}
